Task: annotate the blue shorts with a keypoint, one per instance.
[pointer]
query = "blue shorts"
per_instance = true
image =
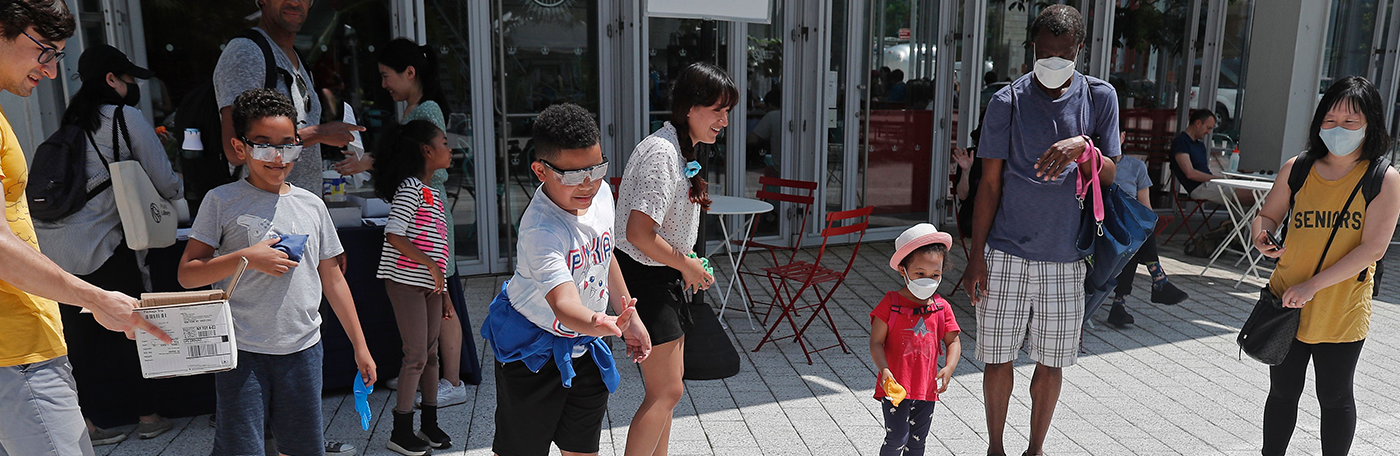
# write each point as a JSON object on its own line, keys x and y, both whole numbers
{"x": 283, "y": 390}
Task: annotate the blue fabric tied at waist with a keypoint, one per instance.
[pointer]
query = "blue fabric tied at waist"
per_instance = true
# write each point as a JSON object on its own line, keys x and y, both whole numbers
{"x": 515, "y": 338}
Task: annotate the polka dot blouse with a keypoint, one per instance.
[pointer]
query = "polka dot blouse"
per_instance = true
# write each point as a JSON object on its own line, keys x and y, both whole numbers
{"x": 654, "y": 184}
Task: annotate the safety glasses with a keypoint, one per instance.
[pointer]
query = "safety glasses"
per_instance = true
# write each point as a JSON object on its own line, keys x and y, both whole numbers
{"x": 574, "y": 177}
{"x": 269, "y": 152}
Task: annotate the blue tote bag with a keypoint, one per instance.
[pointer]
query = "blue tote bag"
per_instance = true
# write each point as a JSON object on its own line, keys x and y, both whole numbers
{"x": 1114, "y": 226}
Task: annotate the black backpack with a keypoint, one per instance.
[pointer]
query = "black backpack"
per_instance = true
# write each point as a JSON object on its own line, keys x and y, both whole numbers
{"x": 1370, "y": 187}
{"x": 57, "y": 185}
{"x": 200, "y": 110}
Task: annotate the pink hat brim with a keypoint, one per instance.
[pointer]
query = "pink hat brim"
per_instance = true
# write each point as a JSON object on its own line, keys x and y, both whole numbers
{"x": 931, "y": 238}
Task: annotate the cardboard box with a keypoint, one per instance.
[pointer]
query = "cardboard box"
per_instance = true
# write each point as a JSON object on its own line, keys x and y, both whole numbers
{"x": 200, "y": 325}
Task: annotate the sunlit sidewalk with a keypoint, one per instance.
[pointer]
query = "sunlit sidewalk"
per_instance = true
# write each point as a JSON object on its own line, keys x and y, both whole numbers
{"x": 1172, "y": 384}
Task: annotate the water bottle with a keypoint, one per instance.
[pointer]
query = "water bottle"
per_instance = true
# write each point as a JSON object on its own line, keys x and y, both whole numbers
{"x": 193, "y": 146}
{"x": 1235, "y": 160}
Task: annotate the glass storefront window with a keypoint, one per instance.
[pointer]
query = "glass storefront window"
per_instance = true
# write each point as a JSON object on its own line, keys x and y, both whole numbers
{"x": 1229, "y": 95}
{"x": 547, "y": 53}
{"x": 895, "y": 172}
{"x": 447, "y": 24}
{"x": 1348, "y": 50}
{"x": 763, "y": 128}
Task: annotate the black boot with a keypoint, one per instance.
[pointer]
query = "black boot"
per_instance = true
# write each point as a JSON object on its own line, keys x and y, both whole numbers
{"x": 1168, "y": 294}
{"x": 1119, "y": 316}
{"x": 430, "y": 430}
{"x": 402, "y": 440}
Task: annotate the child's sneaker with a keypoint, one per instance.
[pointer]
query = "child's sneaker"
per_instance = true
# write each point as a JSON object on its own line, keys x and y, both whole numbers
{"x": 449, "y": 395}
{"x": 1119, "y": 316}
{"x": 402, "y": 439}
{"x": 392, "y": 384}
{"x": 101, "y": 436}
{"x": 153, "y": 429}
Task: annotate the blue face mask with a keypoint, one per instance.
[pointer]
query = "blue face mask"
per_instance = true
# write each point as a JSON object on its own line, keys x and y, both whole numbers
{"x": 1342, "y": 142}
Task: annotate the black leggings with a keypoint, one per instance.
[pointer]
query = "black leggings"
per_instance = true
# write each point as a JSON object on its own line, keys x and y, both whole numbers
{"x": 1146, "y": 254}
{"x": 1335, "y": 366}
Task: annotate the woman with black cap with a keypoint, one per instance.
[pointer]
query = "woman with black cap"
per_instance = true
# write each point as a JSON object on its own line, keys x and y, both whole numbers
{"x": 89, "y": 242}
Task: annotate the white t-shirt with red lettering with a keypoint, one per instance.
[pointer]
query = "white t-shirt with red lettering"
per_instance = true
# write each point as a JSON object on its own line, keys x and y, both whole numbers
{"x": 557, "y": 247}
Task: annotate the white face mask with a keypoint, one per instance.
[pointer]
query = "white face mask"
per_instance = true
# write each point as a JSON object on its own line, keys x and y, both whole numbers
{"x": 1342, "y": 142}
{"x": 1053, "y": 72}
{"x": 921, "y": 288}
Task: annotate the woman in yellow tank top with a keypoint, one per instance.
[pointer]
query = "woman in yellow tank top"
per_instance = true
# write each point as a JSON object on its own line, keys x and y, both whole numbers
{"x": 1347, "y": 134}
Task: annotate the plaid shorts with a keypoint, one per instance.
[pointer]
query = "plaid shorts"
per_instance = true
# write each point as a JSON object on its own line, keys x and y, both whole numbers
{"x": 1043, "y": 297}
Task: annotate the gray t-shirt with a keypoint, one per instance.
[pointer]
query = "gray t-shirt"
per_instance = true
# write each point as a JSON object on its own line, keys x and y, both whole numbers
{"x": 1132, "y": 175}
{"x": 241, "y": 68}
{"x": 1038, "y": 220}
{"x": 271, "y": 315}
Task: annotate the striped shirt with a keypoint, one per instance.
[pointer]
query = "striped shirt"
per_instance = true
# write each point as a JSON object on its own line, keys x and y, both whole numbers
{"x": 417, "y": 214}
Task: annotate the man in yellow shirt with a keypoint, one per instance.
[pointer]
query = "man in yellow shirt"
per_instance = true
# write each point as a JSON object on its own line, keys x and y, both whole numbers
{"x": 38, "y": 396}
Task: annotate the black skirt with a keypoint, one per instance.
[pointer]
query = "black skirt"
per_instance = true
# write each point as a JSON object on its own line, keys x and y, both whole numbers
{"x": 661, "y": 300}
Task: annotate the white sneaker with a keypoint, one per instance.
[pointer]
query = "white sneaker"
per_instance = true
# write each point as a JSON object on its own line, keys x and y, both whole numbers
{"x": 448, "y": 395}
{"x": 392, "y": 384}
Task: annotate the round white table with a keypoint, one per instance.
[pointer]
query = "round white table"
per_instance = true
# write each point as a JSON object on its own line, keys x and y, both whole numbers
{"x": 1242, "y": 218}
{"x": 734, "y": 206}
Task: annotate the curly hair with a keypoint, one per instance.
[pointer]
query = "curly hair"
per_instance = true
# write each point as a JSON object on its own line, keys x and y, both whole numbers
{"x": 400, "y": 156}
{"x": 50, "y": 18}
{"x": 1059, "y": 20}
{"x": 563, "y": 126}
{"x": 260, "y": 104}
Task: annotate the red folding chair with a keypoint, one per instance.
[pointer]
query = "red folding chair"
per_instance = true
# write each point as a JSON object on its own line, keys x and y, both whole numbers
{"x": 808, "y": 276}
{"x": 803, "y": 195}
{"x": 616, "y": 184}
{"x": 1183, "y": 201}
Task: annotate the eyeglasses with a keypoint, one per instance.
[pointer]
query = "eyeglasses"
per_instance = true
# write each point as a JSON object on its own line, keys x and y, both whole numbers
{"x": 48, "y": 54}
{"x": 268, "y": 152}
{"x": 574, "y": 177}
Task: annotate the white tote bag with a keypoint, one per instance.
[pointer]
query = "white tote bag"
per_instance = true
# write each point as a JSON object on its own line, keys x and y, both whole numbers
{"x": 148, "y": 220}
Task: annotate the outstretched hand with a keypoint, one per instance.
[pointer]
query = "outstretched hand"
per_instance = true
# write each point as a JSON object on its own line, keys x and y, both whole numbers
{"x": 614, "y": 325}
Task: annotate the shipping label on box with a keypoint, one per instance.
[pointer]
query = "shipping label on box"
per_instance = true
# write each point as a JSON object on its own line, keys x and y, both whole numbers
{"x": 200, "y": 325}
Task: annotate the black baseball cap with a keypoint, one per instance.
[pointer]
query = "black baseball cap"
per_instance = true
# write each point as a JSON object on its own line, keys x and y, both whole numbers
{"x": 99, "y": 60}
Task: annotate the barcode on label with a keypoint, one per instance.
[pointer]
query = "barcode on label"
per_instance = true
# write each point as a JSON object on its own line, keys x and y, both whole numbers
{"x": 201, "y": 351}
{"x": 206, "y": 333}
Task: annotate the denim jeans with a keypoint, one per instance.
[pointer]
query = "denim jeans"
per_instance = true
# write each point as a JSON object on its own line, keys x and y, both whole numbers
{"x": 39, "y": 403}
{"x": 281, "y": 390}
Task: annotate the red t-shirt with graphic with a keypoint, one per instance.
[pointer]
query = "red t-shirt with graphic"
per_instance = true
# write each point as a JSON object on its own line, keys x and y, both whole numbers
{"x": 914, "y": 342}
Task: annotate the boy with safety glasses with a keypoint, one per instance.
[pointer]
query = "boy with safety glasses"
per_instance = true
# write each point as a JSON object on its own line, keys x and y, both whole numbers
{"x": 553, "y": 372}
{"x": 287, "y": 236}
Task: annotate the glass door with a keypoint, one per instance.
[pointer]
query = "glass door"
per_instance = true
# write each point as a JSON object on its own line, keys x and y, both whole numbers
{"x": 447, "y": 23}
{"x": 894, "y": 173}
{"x": 546, "y": 52}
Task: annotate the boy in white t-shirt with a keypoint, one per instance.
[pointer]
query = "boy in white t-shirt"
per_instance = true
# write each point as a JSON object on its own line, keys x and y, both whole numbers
{"x": 553, "y": 372}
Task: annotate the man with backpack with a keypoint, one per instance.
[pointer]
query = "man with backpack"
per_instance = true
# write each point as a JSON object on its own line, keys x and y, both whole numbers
{"x": 244, "y": 66}
{"x": 38, "y": 396}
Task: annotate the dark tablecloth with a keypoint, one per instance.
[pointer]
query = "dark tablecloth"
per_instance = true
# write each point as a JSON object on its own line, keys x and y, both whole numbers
{"x": 194, "y": 395}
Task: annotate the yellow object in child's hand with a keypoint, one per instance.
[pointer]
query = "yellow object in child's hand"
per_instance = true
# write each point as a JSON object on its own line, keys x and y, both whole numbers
{"x": 894, "y": 391}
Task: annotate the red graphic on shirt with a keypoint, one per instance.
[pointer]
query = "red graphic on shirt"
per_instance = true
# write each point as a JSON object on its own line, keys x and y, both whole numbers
{"x": 427, "y": 219}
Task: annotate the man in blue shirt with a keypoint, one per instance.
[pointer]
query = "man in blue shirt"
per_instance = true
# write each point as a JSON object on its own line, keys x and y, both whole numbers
{"x": 1191, "y": 162}
{"x": 1025, "y": 272}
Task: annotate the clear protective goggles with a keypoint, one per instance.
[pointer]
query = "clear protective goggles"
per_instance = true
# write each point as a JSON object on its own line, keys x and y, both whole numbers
{"x": 574, "y": 177}
{"x": 269, "y": 152}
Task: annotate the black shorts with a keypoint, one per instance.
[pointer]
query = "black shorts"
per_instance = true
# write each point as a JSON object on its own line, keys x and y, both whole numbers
{"x": 661, "y": 301}
{"x": 534, "y": 408}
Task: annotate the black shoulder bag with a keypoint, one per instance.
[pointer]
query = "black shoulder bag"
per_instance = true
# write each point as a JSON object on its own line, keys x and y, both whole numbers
{"x": 1271, "y": 328}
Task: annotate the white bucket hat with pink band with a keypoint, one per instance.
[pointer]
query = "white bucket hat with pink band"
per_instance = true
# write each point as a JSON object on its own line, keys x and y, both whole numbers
{"x": 917, "y": 236}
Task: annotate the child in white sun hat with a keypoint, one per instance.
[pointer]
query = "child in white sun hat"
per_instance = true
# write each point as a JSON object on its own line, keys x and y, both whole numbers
{"x": 906, "y": 330}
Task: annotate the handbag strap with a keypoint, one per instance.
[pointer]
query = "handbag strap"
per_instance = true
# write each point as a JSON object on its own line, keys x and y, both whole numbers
{"x": 1336, "y": 224}
{"x": 1085, "y": 187}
